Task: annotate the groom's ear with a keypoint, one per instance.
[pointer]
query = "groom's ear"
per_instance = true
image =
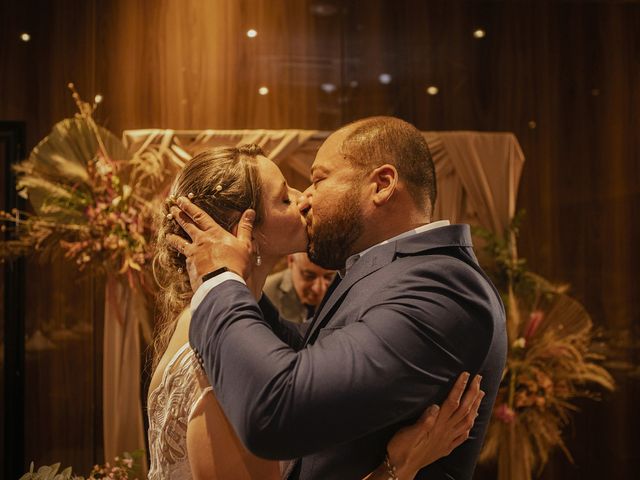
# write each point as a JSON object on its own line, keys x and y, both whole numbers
{"x": 385, "y": 180}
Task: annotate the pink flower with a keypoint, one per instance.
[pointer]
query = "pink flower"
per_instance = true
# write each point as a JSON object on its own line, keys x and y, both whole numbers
{"x": 504, "y": 413}
{"x": 535, "y": 319}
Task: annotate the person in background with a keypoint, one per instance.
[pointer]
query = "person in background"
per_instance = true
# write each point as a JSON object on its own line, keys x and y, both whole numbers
{"x": 297, "y": 290}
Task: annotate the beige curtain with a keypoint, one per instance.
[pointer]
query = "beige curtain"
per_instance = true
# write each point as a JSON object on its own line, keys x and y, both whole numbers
{"x": 478, "y": 172}
{"x": 124, "y": 312}
{"x": 292, "y": 150}
{"x": 478, "y": 175}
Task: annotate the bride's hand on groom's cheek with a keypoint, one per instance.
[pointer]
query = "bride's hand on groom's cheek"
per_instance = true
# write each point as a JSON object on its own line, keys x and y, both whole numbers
{"x": 211, "y": 246}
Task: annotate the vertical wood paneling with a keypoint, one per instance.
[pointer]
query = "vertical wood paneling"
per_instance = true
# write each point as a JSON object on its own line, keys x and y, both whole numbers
{"x": 571, "y": 67}
{"x": 190, "y": 64}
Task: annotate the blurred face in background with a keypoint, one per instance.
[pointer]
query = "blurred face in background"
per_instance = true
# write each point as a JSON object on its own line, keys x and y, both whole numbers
{"x": 309, "y": 280}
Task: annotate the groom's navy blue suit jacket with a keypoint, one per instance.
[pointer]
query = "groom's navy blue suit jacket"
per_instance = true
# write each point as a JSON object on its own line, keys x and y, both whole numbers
{"x": 391, "y": 338}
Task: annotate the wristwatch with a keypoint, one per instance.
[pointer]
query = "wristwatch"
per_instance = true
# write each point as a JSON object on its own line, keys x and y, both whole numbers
{"x": 215, "y": 273}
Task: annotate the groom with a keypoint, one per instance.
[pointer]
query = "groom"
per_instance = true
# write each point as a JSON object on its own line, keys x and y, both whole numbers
{"x": 410, "y": 310}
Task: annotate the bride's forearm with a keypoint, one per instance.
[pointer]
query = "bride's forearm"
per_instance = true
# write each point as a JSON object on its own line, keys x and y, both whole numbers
{"x": 384, "y": 472}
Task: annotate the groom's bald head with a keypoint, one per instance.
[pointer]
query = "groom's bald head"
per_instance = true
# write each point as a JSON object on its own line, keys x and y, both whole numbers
{"x": 374, "y": 141}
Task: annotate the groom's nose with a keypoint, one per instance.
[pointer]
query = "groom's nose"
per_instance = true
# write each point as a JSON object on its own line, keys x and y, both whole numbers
{"x": 304, "y": 202}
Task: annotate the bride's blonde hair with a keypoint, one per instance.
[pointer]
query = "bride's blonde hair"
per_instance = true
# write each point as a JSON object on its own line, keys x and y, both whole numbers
{"x": 224, "y": 182}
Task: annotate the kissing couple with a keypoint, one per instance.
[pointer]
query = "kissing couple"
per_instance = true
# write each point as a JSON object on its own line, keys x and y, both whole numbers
{"x": 410, "y": 323}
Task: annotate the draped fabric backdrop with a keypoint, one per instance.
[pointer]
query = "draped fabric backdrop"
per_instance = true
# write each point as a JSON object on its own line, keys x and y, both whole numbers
{"x": 125, "y": 312}
{"x": 563, "y": 75}
{"x": 478, "y": 175}
{"x": 477, "y": 172}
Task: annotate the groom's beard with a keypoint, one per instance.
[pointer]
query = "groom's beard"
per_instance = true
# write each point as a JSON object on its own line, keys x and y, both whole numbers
{"x": 331, "y": 241}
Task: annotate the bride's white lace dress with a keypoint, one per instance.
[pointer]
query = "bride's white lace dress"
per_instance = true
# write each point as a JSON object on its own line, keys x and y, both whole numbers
{"x": 170, "y": 406}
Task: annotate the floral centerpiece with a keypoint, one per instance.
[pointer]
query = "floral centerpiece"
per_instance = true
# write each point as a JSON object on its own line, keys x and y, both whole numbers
{"x": 92, "y": 200}
{"x": 550, "y": 363}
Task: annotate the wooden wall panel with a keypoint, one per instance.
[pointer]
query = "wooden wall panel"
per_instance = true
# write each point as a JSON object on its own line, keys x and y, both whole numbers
{"x": 190, "y": 64}
{"x": 61, "y": 418}
{"x": 564, "y": 76}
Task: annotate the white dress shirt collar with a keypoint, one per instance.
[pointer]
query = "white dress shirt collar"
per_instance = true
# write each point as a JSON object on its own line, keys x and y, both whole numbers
{"x": 421, "y": 229}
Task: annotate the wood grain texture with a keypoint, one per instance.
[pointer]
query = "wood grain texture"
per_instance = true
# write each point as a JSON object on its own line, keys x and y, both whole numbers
{"x": 571, "y": 67}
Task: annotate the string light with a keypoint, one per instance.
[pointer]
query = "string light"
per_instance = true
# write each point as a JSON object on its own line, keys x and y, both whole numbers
{"x": 432, "y": 90}
{"x": 252, "y": 33}
{"x": 323, "y": 9}
{"x": 263, "y": 90}
{"x": 97, "y": 98}
{"x": 328, "y": 87}
{"x": 385, "y": 78}
{"x": 25, "y": 37}
{"x": 479, "y": 33}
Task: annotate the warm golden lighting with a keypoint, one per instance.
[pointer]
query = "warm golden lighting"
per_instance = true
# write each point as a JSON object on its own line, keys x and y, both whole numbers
{"x": 252, "y": 33}
{"x": 25, "y": 37}
{"x": 263, "y": 90}
{"x": 432, "y": 90}
{"x": 532, "y": 124}
{"x": 479, "y": 33}
{"x": 97, "y": 98}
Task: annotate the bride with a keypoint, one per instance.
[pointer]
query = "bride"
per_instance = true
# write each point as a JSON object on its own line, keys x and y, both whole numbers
{"x": 189, "y": 435}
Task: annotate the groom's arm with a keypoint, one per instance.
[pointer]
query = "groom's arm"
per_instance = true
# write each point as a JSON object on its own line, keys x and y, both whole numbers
{"x": 289, "y": 332}
{"x": 373, "y": 373}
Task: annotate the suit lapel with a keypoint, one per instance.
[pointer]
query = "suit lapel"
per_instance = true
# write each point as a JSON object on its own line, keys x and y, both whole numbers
{"x": 449, "y": 236}
{"x": 371, "y": 262}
